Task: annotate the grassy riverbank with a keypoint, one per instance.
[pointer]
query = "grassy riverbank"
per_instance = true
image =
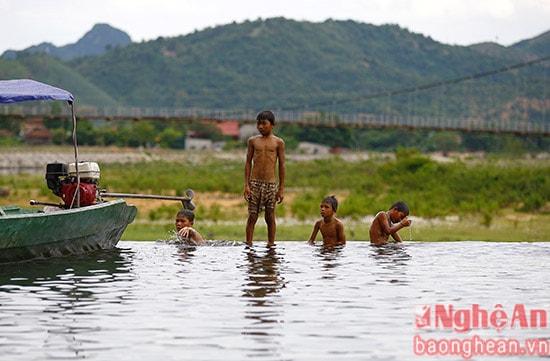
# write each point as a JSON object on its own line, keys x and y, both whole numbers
{"x": 462, "y": 197}
{"x": 513, "y": 227}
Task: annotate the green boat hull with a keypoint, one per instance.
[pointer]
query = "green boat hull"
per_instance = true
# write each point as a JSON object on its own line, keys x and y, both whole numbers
{"x": 27, "y": 233}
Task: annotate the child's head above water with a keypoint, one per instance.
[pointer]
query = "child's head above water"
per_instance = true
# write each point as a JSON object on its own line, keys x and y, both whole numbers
{"x": 187, "y": 214}
{"x": 332, "y": 201}
{"x": 401, "y": 207}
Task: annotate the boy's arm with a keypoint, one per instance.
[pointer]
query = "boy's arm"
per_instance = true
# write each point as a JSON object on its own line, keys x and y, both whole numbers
{"x": 196, "y": 236}
{"x": 314, "y": 233}
{"x": 384, "y": 222}
{"x": 402, "y": 224}
{"x": 248, "y": 169}
{"x": 340, "y": 233}
{"x": 191, "y": 234}
{"x": 397, "y": 237}
{"x": 281, "y": 157}
{"x": 388, "y": 228}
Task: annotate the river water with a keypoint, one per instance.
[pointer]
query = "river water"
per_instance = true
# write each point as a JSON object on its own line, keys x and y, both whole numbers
{"x": 153, "y": 301}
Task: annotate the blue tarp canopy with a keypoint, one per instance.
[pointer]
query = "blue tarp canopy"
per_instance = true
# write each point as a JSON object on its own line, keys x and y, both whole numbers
{"x": 20, "y": 90}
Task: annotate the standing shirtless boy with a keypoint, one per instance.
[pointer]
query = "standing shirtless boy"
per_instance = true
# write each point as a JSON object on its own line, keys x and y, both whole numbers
{"x": 386, "y": 224}
{"x": 332, "y": 229}
{"x": 261, "y": 191}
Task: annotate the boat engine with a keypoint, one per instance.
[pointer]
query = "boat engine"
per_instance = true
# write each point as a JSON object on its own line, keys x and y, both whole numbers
{"x": 61, "y": 179}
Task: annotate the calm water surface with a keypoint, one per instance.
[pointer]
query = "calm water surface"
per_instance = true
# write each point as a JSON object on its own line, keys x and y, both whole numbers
{"x": 151, "y": 301}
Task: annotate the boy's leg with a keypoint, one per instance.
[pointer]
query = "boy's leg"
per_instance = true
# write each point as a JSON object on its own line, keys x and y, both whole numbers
{"x": 250, "y": 223}
{"x": 271, "y": 226}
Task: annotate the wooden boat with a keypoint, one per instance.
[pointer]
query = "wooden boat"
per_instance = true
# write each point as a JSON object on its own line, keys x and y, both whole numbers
{"x": 29, "y": 233}
{"x": 84, "y": 221}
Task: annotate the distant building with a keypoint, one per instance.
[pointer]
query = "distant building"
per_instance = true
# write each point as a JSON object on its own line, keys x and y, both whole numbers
{"x": 202, "y": 144}
{"x": 198, "y": 143}
{"x": 229, "y": 128}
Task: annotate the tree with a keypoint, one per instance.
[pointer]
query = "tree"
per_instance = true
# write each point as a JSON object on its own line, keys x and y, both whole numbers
{"x": 144, "y": 133}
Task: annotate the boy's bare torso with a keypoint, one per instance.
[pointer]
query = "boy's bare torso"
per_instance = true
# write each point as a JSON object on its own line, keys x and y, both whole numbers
{"x": 265, "y": 154}
{"x": 377, "y": 232}
{"x": 330, "y": 232}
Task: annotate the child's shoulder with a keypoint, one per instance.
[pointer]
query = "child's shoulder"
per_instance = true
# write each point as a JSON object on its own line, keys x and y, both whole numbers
{"x": 337, "y": 222}
{"x": 254, "y": 137}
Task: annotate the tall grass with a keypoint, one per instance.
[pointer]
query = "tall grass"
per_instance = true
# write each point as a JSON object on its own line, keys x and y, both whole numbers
{"x": 431, "y": 188}
{"x": 482, "y": 190}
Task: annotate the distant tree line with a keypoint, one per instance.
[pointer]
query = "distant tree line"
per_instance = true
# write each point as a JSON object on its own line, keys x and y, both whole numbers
{"x": 172, "y": 135}
{"x": 333, "y": 66}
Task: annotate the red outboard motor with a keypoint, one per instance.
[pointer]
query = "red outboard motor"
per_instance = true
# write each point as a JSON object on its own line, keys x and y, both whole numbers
{"x": 62, "y": 180}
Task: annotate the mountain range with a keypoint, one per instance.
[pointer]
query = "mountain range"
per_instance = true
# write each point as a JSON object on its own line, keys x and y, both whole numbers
{"x": 274, "y": 63}
{"x": 97, "y": 41}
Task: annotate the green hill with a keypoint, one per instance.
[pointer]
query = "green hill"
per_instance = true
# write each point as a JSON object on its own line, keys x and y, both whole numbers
{"x": 52, "y": 71}
{"x": 333, "y": 66}
{"x": 278, "y": 63}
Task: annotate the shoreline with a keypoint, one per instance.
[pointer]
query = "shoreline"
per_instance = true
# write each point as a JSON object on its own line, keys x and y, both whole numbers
{"x": 509, "y": 225}
{"x": 36, "y": 157}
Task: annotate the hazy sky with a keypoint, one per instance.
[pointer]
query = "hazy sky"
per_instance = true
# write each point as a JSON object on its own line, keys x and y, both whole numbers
{"x": 457, "y": 22}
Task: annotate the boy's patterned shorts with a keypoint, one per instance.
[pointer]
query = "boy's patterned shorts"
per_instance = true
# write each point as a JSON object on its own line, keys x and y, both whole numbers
{"x": 263, "y": 195}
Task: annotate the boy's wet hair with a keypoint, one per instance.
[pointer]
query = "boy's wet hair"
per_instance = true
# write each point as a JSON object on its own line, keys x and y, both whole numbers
{"x": 333, "y": 202}
{"x": 187, "y": 214}
{"x": 266, "y": 115}
{"x": 401, "y": 207}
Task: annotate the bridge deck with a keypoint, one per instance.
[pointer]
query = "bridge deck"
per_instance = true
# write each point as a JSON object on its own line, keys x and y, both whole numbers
{"x": 305, "y": 118}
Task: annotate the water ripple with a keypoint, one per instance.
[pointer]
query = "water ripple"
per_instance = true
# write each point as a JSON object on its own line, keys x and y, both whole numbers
{"x": 149, "y": 301}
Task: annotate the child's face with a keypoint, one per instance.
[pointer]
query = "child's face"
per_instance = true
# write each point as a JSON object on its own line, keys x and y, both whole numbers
{"x": 182, "y": 221}
{"x": 397, "y": 216}
{"x": 264, "y": 126}
{"x": 326, "y": 209}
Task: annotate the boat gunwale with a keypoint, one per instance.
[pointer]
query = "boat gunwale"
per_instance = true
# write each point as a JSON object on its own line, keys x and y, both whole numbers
{"x": 39, "y": 213}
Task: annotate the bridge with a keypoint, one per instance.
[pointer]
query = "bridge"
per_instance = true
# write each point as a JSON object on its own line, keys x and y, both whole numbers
{"x": 397, "y": 109}
{"x": 302, "y": 118}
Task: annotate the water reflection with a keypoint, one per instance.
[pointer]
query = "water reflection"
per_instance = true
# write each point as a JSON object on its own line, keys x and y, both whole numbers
{"x": 393, "y": 260}
{"x": 330, "y": 257}
{"x": 261, "y": 304}
{"x": 78, "y": 270}
{"x": 264, "y": 281}
{"x": 185, "y": 253}
{"x": 68, "y": 290}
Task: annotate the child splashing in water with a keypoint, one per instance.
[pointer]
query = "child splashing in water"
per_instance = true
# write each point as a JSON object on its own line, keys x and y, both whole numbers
{"x": 386, "y": 224}
{"x": 185, "y": 219}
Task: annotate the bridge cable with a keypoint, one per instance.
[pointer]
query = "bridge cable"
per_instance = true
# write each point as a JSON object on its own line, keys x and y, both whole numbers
{"x": 421, "y": 87}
